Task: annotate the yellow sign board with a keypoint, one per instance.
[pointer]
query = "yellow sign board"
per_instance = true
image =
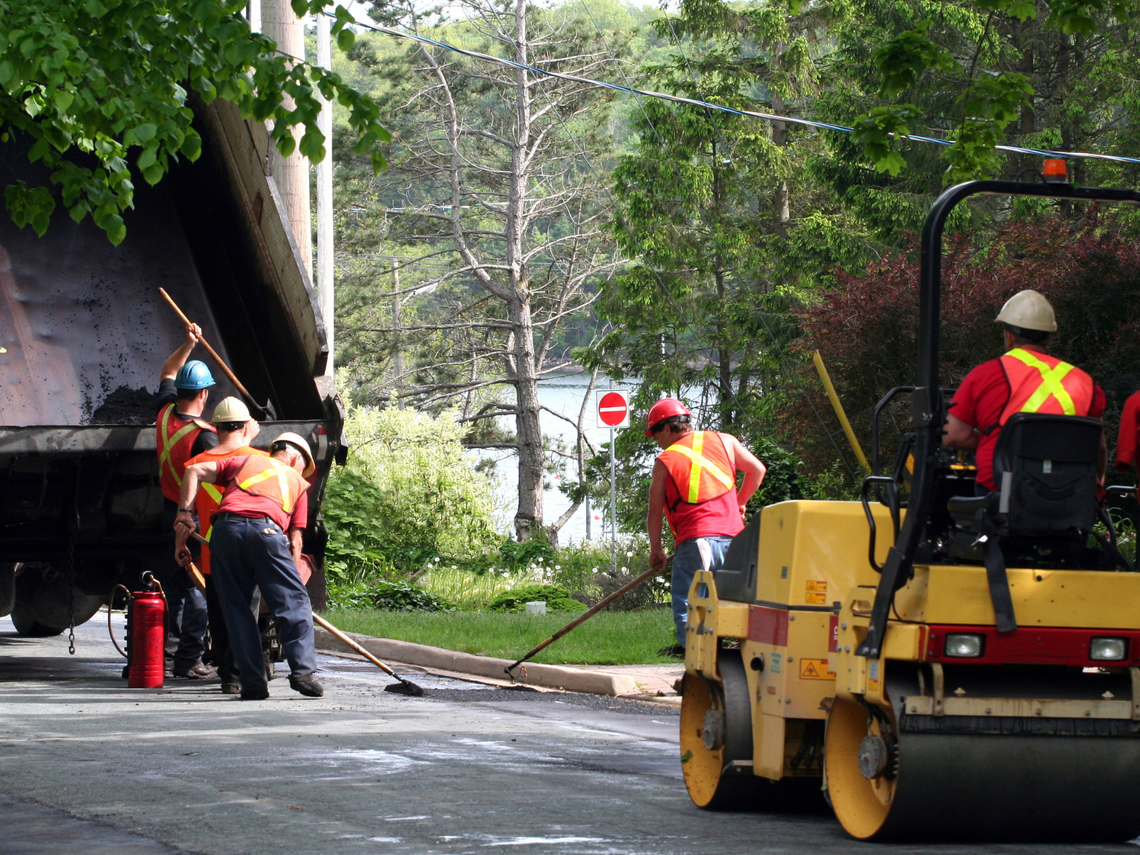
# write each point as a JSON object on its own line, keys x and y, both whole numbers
{"x": 815, "y": 669}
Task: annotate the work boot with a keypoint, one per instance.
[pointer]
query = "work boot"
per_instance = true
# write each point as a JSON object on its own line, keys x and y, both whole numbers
{"x": 258, "y": 694}
{"x": 197, "y": 671}
{"x": 306, "y": 684}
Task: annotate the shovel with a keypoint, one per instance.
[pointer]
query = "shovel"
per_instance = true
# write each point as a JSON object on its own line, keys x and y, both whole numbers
{"x": 586, "y": 615}
{"x": 404, "y": 687}
{"x": 263, "y": 413}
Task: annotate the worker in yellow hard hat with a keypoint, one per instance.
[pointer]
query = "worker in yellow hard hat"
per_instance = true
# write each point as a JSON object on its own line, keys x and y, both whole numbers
{"x": 1025, "y": 379}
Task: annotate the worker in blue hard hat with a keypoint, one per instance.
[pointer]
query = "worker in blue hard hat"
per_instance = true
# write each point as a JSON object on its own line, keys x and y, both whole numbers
{"x": 182, "y": 433}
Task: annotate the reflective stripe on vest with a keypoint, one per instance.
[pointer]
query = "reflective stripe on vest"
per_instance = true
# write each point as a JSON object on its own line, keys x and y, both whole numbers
{"x": 171, "y": 456}
{"x": 215, "y": 494}
{"x": 262, "y": 469}
{"x": 699, "y": 473}
{"x": 1039, "y": 383}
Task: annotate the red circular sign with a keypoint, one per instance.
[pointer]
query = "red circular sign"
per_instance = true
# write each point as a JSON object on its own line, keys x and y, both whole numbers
{"x": 612, "y": 408}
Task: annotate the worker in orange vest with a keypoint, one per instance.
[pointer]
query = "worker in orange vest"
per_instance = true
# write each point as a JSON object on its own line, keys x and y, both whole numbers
{"x": 182, "y": 433}
{"x": 694, "y": 486}
{"x": 1024, "y": 380}
{"x": 256, "y": 542}
{"x": 236, "y": 430}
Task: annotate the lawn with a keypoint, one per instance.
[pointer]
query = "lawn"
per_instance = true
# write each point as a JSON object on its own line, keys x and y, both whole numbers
{"x": 608, "y": 638}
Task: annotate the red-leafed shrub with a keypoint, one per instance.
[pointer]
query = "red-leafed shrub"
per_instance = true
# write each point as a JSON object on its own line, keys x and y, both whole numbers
{"x": 866, "y": 330}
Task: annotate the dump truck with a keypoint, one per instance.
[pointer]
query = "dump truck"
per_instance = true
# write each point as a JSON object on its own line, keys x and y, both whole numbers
{"x": 940, "y": 665}
{"x": 85, "y": 331}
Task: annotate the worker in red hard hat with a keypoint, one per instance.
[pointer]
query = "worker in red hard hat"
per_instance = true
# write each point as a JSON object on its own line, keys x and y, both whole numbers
{"x": 1024, "y": 380}
{"x": 182, "y": 433}
{"x": 694, "y": 486}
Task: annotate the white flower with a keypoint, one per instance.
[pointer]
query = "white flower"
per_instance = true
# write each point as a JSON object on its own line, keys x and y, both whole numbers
{"x": 629, "y": 555}
{"x": 624, "y": 569}
{"x": 557, "y": 566}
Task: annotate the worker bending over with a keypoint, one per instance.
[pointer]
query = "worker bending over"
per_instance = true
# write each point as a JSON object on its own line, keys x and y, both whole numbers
{"x": 236, "y": 430}
{"x": 256, "y": 541}
{"x": 694, "y": 485}
{"x": 1025, "y": 380}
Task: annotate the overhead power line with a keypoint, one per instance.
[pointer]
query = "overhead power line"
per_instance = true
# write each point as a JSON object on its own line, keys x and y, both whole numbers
{"x": 679, "y": 99}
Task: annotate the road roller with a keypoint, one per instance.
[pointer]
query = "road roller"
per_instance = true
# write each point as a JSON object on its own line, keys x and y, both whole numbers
{"x": 936, "y": 665}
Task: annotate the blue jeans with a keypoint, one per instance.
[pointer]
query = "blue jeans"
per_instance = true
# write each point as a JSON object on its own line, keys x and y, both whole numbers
{"x": 686, "y": 563}
{"x": 252, "y": 552}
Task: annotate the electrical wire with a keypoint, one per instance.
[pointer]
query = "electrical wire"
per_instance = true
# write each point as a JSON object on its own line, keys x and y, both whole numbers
{"x": 696, "y": 102}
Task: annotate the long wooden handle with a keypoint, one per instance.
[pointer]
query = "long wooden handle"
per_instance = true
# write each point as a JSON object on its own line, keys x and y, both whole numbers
{"x": 318, "y": 619}
{"x": 586, "y": 615}
{"x": 213, "y": 354}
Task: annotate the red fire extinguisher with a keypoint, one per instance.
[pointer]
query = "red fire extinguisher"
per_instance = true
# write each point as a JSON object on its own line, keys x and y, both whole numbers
{"x": 146, "y": 635}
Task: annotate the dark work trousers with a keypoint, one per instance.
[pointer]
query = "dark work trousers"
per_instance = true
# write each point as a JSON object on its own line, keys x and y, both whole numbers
{"x": 186, "y": 616}
{"x": 249, "y": 552}
{"x": 219, "y": 636}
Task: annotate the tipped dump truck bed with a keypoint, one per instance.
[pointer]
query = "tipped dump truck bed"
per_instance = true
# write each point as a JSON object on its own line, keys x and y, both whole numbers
{"x": 85, "y": 333}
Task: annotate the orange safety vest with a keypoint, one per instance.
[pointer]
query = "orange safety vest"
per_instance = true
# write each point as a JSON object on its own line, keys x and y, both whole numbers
{"x": 209, "y": 496}
{"x": 1039, "y": 383}
{"x": 271, "y": 479}
{"x": 700, "y": 468}
{"x": 175, "y": 437}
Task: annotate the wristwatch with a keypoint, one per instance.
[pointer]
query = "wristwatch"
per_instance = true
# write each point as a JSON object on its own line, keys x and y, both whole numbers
{"x": 185, "y": 510}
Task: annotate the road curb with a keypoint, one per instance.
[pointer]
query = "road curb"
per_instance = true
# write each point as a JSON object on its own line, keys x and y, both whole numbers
{"x": 530, "y": 674}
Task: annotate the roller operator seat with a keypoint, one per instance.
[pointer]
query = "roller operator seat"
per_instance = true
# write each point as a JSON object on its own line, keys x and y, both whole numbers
{"x": 1045, "y": 467}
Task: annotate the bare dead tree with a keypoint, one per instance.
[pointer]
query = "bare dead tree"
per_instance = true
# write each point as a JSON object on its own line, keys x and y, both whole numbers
{"x": 494, "y": 162}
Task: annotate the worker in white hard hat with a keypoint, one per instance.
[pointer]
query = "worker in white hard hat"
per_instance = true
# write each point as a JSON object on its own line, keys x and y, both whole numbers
{"x": 694, "y": 486}
{"x": 236, "y": 430}
{"x": 256, "y": 543}
{"x": 1024, "y": 380}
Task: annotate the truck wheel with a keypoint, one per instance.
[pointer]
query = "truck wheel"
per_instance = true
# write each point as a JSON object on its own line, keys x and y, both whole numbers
{"x": 7, "y": 588}
{"x": 28, "y": 626}
{"x": 46, "y": 605}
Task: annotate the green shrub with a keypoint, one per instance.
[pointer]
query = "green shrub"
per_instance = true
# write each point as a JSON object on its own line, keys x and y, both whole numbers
{"x": 386, "y": 596}
{"x": 520, "y": 554}
{"x": 408, "y": 493}
{"x": 556, "y": 597}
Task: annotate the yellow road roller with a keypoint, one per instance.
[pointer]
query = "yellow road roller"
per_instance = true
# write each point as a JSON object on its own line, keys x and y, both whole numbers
{"x": 940, "y": 665}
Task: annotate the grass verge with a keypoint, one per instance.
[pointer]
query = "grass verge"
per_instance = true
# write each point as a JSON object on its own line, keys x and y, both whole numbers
{"x": 608, "y": 638}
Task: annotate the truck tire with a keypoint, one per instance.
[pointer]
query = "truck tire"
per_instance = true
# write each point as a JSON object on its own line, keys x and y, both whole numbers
{"x": 7, "y": 588}
{"x": 45, "y": 604}
{"x": 28, "y": 626}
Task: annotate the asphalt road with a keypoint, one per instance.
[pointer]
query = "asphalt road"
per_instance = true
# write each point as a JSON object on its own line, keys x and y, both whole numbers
{"x": 90, "y": 766}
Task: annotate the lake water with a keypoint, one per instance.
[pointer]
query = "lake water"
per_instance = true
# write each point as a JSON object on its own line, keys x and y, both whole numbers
{"x": 563, "y": 394}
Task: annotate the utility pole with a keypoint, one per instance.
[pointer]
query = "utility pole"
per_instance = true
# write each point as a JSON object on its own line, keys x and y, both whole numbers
{"x": 291, "y": 174}
{"x": 325, "y": 267}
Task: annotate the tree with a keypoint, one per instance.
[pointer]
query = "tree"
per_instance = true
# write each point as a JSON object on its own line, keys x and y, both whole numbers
{"x": 1086, "y": 262}
{"x": 493, "y": 172}
{"x": 1053, "y": 73}
{"x": 99, "y": 90}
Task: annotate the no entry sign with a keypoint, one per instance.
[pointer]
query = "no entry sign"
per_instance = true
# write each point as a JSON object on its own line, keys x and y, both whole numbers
{"x": 613, "y": 408}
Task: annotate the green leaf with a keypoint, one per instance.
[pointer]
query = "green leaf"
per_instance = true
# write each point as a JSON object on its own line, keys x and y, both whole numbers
{"x": 144, "y": 133}
{"x": 345, "y": 39}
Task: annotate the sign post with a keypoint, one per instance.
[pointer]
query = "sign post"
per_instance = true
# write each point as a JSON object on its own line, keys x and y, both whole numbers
{"x": 613, "y": 412}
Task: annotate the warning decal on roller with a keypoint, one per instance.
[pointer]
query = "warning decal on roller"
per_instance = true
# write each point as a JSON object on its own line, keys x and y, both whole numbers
{"x": 815, "y": 669}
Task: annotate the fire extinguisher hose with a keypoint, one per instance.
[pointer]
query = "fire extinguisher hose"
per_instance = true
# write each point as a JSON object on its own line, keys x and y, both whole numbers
{"x": 110, "y": 609}
{"x": 148, "y": 579}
